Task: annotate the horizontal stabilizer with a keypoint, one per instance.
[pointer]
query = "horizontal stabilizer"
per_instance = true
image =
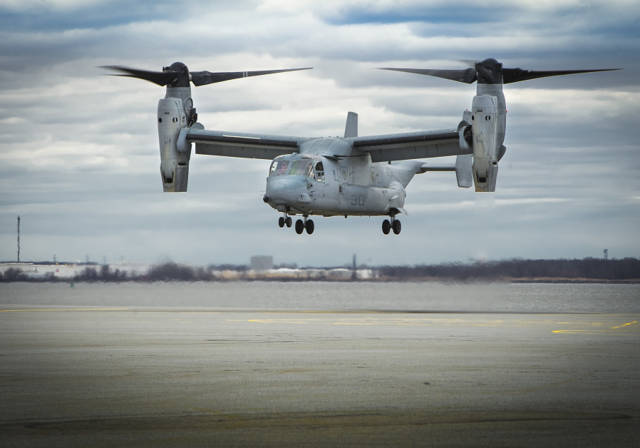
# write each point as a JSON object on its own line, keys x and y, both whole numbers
{"x": 425, "y": 167}
{"x": 462, "y": 168}
{"x": 464, "y": 173}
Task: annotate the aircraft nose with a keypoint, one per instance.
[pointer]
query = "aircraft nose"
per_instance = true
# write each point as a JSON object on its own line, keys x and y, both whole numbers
{"x": 286, "y": 190}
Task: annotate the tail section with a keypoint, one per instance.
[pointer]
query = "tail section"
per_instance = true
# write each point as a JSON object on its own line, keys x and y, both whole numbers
{"x": 351, "y": 128}
{"x": 463, "y": 169}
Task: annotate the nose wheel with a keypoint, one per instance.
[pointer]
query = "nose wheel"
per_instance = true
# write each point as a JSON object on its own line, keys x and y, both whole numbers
{"x": 393, "y": 224}
{"x": 284, "y": 221}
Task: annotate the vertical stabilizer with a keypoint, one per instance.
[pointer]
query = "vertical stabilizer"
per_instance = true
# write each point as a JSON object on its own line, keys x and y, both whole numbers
{"x": 351, "y": 128}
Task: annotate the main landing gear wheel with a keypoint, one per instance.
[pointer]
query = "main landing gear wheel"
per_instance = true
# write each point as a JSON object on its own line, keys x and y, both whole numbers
{"x": 288, "y": 221}
{"x": 394, "y": 225}
{"x": 299, "y": 226}
{"x": 397, "y": 227}
{"x": 308, "y": 225}
{"x": 281, "y": 221}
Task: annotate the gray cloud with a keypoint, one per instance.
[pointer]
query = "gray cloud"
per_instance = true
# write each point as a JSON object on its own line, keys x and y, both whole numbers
{"x": 79, "y": 158}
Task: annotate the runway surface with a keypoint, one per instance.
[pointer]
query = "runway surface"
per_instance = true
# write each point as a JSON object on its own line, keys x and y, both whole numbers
{"x": 145, "y": 376}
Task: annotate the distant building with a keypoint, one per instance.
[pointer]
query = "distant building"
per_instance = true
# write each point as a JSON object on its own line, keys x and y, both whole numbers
{"x": 261, "y": 262}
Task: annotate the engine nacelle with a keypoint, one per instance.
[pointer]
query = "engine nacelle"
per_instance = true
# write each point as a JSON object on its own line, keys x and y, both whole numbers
{"x": 484, "y": 116}
{"x": 174, "y": 164}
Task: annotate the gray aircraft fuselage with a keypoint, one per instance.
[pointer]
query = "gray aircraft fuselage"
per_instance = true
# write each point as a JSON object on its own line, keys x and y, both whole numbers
{"x": 309, "y": 183}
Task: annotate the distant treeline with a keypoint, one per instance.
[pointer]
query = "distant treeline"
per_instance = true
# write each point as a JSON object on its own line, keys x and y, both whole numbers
{"x": 103, "y": 273}
{"x": 586, "y": 268}
{"x": 594, "y": 269}
{"x": 91, "y": 273}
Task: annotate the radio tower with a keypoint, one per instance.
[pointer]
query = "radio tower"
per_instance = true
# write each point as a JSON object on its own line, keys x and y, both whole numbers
{"x": 18, "y": 239}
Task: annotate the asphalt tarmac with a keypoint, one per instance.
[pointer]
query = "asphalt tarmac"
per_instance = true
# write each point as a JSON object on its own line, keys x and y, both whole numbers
{"x": 125, "y": 376}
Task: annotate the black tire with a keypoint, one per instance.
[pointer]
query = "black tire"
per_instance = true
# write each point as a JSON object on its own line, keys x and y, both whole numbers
{"x": 288, "y": 221}
{"x": 397, "y": 227}
{"x": 308, "y": 225}
{"x": 386, "y": 226}
{"x": 299, "y": 226}
{"x": 281, "y": 221}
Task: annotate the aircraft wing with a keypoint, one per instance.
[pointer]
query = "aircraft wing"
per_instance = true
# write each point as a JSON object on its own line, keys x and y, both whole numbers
{"x": 239, "y": 144}
{"x": 412, "y": 145}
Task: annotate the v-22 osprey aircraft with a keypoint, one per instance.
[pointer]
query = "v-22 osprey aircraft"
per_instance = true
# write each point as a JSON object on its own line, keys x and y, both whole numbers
{"x": 340, "y": 176}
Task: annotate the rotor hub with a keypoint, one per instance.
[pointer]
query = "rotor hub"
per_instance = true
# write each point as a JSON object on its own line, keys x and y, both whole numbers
{"x": 489, "y": 71}
{"x": 181, "y": 73}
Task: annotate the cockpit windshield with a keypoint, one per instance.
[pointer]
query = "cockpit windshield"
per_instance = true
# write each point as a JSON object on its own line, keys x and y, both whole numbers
{"x": 299, "y": 167}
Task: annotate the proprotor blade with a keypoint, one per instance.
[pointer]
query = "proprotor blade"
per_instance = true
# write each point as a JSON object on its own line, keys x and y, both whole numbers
{"x": 159, "y": 78}
{"x": 467, "y": 76}
{"x": 204, "y": 77}
{"x": 510, "y": 75}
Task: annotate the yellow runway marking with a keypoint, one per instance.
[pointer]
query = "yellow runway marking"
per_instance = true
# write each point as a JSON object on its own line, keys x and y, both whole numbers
{"x": 628, "y": 324}
{"x": 604, "y": 325}
{"x": 597, "y": 331}
{"x": 573, "y": 331}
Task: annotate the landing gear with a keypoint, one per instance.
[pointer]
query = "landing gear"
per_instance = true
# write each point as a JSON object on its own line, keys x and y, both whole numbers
{"x": 300, "y": 226}
{"x": 307, "y": 225}
{"x": 397, "y": 227}
{"x": 284, "y": 221}
{"x": 393, "y": 224}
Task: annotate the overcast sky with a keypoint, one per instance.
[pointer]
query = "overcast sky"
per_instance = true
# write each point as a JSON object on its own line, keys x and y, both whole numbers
{"x": 79, "y": 156}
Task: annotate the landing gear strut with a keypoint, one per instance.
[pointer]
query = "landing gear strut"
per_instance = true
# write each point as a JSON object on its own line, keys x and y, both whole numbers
{"x": 393, "y": 224}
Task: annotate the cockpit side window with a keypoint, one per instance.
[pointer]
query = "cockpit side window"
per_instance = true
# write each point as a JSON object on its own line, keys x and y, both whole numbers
{"x": 300, "y": 168}
{"x": 319, "y": 168}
